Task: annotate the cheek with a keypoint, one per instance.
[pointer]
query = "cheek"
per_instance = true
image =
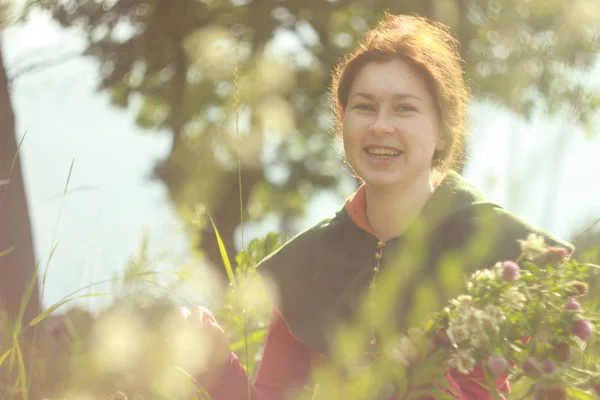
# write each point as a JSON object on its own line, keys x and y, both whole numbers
{"x": 345, "y": 140}
{"x": 351, "y": 142}
{"x": 425, "y": 135}
{"x": 348, "y": 131}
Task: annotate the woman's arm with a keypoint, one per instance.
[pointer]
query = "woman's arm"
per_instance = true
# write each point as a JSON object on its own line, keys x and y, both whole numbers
{"x": 285, "y": 366}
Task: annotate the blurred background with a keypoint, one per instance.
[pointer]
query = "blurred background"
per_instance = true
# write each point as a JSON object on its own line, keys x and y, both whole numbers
{"x": 134, "y": 117}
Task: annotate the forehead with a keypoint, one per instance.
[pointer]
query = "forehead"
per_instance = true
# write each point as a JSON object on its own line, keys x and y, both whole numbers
{"x": 389, "y": 77}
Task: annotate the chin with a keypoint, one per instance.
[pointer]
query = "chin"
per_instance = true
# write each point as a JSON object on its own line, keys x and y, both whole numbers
{"x": 383, "y": 181}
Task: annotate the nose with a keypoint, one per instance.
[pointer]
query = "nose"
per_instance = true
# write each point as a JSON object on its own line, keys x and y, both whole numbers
{"x": 381, "y": 124}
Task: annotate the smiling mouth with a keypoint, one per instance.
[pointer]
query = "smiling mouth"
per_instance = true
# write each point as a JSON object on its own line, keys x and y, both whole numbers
{"x": 383, "y": 152}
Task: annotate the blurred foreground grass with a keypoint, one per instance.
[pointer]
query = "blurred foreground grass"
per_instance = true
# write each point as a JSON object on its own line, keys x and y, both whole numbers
{"x": 130, "y": 349}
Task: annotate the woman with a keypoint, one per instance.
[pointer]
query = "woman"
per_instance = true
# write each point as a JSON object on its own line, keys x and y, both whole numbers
{"x": 402, "y": 110}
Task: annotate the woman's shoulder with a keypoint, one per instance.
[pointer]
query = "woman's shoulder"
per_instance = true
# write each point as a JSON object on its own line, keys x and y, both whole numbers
{"x": 516, "y": 227}
{"x": 473, "y": 223}
{"x": 299, "y": 249}
{"x": 474, "y": 206}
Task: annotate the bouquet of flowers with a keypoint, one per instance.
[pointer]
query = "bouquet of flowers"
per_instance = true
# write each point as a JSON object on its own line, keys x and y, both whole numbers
{"x": 521, "y": 318}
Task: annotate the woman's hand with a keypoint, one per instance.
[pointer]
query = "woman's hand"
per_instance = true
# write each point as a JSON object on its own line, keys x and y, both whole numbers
{"x": 198, "y": 338}
{"x": 410, "y": 349}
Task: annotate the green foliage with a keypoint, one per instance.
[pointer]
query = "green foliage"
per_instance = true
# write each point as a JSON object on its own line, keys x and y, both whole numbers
{"x": 247, "y": 308}
{"x": 587, "y": 249}
{"x": 118, "y": 351}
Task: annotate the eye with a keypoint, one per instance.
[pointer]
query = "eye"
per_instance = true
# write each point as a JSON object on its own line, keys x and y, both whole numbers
{"x": 405, "y": 108}
{"x": 364, "y": 107}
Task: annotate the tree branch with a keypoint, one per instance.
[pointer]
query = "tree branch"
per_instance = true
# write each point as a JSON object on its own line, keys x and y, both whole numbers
{"x": 43, "y": 64}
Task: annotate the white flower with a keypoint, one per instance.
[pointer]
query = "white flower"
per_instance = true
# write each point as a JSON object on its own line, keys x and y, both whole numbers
{"x": 468, "y": 327}
{"x": 473, "y": 325}
{"x": 474, "y": 319}
{"x": 464, "y": 300}
{"x": 494, "y": 317}
{"x": 458, "y": 332}
{"x": 533, "y": 247}
{"x": 498, "y": 268}
{"x": 480, "y": 341}
{"x": 483, "y": 275}
{"x": 462, "y": 360}
{"x": 514, "y": 299}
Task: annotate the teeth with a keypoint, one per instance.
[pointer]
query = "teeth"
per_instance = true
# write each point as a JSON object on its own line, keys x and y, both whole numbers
{"x": 378, "y": 151}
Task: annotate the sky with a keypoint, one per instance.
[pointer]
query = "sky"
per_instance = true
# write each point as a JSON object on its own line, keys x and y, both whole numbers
{"x": 112, "y": 202}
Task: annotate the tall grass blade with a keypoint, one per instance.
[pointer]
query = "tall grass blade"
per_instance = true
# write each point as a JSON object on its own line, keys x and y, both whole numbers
{"x": 48, "y": 263}
{"x": 4, "y": 356}
{"x": 168, "y": 291}
{"x": 7, "y": 251}
{"x": 236, "y": 95}
{"x": 25, "y": 301}
{"x": 53, "y": 244}
{"x": 588, "y": 230}
{"x": 56, "y": 228}
{"x": 10, "y": 171}
{"x": 22, "y": 372}
{"x": 109, "y": 280}
{"x": 224, "y": 255}
{"x": 50, "y": 310}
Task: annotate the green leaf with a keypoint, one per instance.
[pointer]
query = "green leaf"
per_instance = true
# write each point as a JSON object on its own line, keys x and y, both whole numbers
{"x": 50, "y": 310}
{"x": 490, "y": 384}
{"x": 243, "y": 260}
{"x": 437, "y": 394}
{"x": 3, "y": 357}
{"x": 255, "y": 338}
{"x": 534, "y": 269}
{"x": 580, "y": 394}
{"x": 424, "y": 373}
{"x": 224, "y": 255}
{"x": 528, "y": 278}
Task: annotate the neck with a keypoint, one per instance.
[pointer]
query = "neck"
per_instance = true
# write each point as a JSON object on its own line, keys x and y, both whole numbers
{"x": 390, "y": 210}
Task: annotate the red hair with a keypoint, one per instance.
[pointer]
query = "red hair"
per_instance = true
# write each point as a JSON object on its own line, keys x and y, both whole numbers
{"x": 433, "y": 50}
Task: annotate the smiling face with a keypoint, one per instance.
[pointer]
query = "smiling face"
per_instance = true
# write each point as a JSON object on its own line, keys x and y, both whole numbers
{"x": 390, "y": 125}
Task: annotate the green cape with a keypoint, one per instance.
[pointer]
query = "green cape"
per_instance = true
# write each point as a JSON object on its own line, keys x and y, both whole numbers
{"x": 323, "y": 273}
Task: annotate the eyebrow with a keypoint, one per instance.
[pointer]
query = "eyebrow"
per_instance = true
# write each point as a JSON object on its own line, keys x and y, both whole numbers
{"x": 397, "y": 96}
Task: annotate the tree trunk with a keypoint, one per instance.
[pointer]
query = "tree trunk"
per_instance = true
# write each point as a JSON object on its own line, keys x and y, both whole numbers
{"x": 17, "y": 260}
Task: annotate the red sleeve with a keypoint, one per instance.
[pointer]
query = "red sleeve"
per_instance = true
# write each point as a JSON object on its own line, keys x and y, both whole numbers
{"x": 453, "y": 389}
{"x": 285, "y": 366}
{"x": 473, "y": 386}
